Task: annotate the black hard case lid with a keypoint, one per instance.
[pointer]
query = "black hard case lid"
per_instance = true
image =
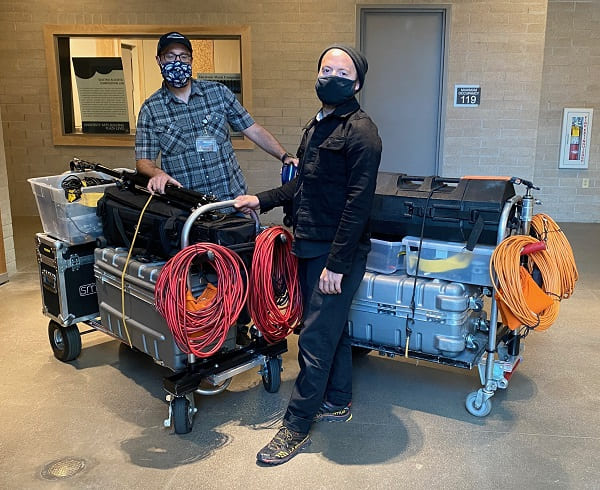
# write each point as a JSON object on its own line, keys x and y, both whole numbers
{"x": 449, "y": 206}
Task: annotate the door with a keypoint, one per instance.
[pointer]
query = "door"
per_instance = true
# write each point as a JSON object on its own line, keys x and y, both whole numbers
{"x": 403, "y": 92}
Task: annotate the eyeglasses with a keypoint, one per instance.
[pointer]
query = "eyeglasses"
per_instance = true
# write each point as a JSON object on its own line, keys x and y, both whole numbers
{"x": 184, "y": 58}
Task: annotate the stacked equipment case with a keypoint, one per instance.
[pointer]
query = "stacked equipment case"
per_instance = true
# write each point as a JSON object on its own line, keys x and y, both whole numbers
{"x": 68, "y": 291}
{"x": 142, "y": 326}
{"x": 65, "y": 253}
{"x": 434, "y": 238}
{"x": 66, "y": 280}
{"x": 85, "y": 280}
{"x": 453, "y": 210}
{"x": 443, "y": 322}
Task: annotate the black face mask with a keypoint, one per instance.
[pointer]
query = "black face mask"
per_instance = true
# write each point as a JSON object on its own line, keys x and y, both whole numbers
{"x": 334, "y": 90}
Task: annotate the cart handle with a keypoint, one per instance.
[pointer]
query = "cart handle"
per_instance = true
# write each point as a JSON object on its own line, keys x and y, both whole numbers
{"x": 185, "y": 241}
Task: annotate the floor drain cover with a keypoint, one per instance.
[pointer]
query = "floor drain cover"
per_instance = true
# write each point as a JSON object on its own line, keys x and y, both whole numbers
{"x": 63, "y": 468}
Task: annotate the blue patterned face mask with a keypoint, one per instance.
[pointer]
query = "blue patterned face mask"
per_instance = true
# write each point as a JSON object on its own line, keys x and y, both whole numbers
{"x": 176, "y": 73}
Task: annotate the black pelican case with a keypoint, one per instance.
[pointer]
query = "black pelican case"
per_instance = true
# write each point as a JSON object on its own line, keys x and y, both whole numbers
{"x": 451, "y": 209}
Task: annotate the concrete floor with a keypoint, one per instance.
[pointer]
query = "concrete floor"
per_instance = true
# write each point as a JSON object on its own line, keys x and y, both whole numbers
{"x": 410, "y": 428}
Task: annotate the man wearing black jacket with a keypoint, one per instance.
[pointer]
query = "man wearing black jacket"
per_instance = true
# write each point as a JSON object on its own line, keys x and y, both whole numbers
{"x": 332, "y": 195}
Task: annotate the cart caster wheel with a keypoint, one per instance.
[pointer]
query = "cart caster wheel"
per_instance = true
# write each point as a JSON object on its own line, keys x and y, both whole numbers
{"x": 271, "y": 375}
{"x": 65, "y": 341}
{"x": 359, "y": 352}
{"x": 183, "y": 414}
{"x": 483, "y": 411}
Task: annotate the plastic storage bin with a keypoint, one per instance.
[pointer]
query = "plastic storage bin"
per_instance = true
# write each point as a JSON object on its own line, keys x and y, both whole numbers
{"x": 385, "y": 257}
{"x": 72, "y": 222}
{"x": 448, "y": 260}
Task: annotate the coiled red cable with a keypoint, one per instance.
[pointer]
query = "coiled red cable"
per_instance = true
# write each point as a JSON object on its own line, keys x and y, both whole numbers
{"x": 201, "y": 332}
{"x": 275, "y": 302}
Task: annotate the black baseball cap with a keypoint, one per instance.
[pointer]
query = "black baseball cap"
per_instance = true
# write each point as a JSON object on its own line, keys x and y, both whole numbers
{"x": 172, "y": 38}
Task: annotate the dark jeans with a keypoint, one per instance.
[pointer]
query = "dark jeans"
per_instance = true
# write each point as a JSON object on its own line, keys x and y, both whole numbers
{"x": 325, "y": 353}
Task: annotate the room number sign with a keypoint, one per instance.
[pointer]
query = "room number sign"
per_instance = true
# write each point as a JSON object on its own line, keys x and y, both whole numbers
{"x": 467, "y": 95}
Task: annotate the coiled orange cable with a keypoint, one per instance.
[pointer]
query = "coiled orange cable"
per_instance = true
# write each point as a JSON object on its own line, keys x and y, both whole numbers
{"x": 560, "y": 251}
{"x": 505, "y": 263}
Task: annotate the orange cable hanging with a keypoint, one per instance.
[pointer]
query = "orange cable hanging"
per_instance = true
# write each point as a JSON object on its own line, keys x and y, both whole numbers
{"x": 559, "y": 249}
{"x": 533, "y": 310}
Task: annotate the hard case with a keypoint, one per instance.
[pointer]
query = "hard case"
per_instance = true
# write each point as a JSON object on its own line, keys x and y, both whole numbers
{"x": 144, "y": 326}
{"x": 66, "y": 280}
{"x": 445, "y": 314}
{"x": 453, "y": 209}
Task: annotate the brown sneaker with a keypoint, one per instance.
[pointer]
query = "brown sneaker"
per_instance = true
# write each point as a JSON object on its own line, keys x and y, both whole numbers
{"x": 283, "y": 447}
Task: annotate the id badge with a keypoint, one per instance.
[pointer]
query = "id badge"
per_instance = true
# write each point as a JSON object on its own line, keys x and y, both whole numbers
{"x": 206, "y": 143}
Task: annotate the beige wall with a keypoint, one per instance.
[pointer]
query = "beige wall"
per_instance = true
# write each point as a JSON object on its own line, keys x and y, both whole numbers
{"x": 8, "y": 244}
{"x": 571, "y": 78}
{"x": 498, "y": 44}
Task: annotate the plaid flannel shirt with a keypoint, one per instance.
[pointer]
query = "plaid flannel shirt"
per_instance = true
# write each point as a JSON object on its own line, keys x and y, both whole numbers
{"x": 168, "y": 125}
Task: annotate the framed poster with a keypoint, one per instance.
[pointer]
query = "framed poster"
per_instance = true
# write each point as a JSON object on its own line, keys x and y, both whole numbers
{"x": 102, "y": 95}
{"x": 575, "y": 140}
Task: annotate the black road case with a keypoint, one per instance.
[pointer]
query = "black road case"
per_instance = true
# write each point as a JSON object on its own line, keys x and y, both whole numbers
{"x": 455, "y": 210}
{"x": 66, "y": 280}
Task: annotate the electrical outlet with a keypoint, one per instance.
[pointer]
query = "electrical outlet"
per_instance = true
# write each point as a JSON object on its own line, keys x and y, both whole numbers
{"x": 585, "y": 183}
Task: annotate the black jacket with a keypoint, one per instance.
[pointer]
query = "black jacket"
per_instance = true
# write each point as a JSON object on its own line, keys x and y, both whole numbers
{"x": 333, "y": 191}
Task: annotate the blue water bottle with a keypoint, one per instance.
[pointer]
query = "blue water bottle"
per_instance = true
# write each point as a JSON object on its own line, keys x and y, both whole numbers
{"x": 288, "y": 172}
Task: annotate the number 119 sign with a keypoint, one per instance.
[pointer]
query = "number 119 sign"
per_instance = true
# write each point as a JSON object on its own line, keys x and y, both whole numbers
{"x": 467, "y": 95}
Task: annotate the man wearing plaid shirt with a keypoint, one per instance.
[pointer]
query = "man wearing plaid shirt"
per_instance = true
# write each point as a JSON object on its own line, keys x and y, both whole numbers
{"x": 186, "y": 121}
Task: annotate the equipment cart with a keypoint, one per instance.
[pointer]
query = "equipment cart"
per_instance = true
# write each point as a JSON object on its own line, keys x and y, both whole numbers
{"x": 431, "y": 307}
{"x": 97, "y": 287}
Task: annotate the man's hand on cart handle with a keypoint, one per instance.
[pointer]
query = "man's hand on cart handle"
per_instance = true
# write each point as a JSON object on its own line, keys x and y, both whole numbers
{"x": 158, "y": 182}
{"x": 247, "y": 203}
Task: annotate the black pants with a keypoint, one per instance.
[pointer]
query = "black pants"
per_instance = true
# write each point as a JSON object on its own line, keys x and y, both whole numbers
{"x": 325, "y": 353}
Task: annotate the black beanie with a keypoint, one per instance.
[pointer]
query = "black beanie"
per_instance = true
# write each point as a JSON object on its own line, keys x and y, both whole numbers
{"x": 360, "y": 62}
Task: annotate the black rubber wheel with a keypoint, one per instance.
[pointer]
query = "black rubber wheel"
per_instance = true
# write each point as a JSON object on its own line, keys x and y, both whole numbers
{"x": 359, "y": 352}
{"x": 272, "y": 377}
{"x": 182, "y": 415}
{"x": 65, "y": 341}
